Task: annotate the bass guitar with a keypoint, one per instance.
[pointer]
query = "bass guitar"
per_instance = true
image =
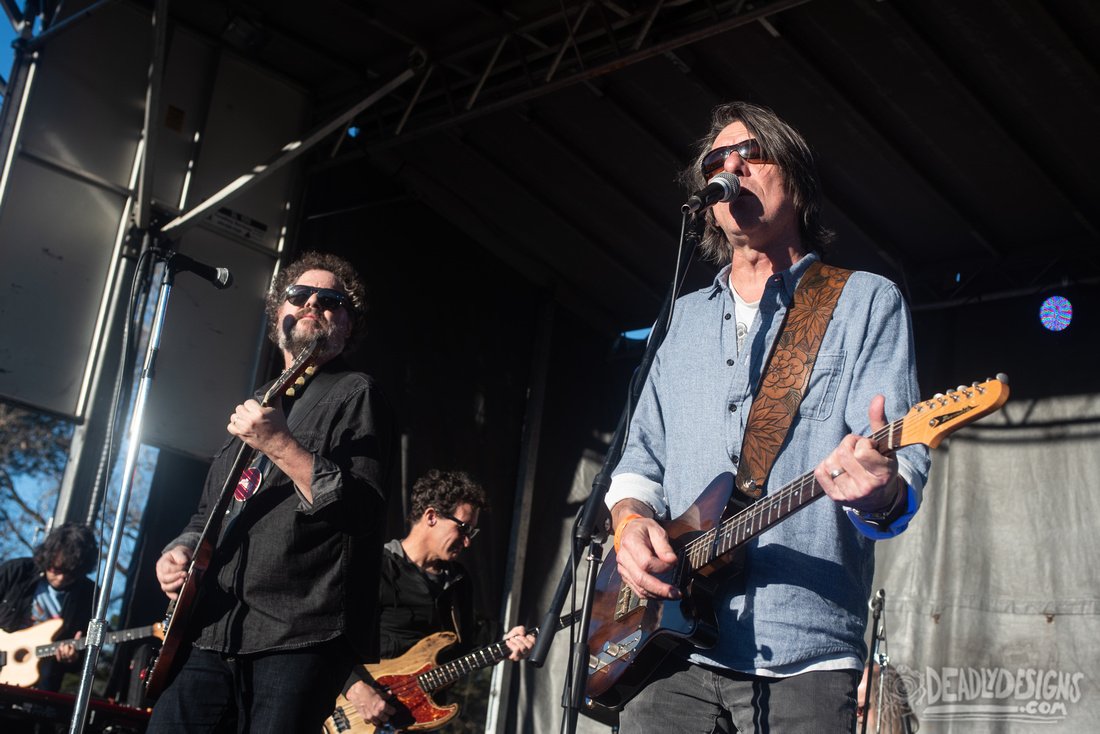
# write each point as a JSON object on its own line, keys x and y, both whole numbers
{"x": 629, "y": 636}
{"x": 24, "y": 648}
{"x": 178, "y": 617}
{"x": 413, "y": 677}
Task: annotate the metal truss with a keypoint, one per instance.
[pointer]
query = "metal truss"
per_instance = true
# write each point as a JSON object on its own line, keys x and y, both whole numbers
{"x": 535, "y": 56}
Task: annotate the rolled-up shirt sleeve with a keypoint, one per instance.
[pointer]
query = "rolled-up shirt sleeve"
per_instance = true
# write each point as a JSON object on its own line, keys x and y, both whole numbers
{"x": 635, "y": 486}
{"x": 349, "y": 462}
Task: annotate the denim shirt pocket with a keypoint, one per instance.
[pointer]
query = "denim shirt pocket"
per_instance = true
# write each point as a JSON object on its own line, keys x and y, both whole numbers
{"x": 817, "y": 403}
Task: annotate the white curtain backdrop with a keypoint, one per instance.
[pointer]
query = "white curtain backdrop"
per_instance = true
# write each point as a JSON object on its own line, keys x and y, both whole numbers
{"x": 991, "y": 596}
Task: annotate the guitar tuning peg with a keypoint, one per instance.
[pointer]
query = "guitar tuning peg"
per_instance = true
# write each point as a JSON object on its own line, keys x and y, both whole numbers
{"x": 1002, "y": 377}
{"x": 960, "y": 388}
{"x": 937, "y": 396}
{"x": 290, "y": 391}
{"x": 310, "y": 370}
{"x": 300, "y": 381}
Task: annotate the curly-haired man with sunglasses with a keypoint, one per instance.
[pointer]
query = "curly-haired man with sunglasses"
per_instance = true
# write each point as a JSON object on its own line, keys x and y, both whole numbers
{"x": 426, "y": 590}
{"x": 790, "y": 647}
{"x": 286, "y": 607}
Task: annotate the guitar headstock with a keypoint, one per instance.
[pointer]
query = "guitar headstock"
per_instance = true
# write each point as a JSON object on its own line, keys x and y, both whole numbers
{"x": 295, "y": 375}
{"x": 930, "y": 421}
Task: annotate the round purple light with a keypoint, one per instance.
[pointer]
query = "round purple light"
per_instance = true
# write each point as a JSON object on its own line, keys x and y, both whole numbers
{"x": 1056, "y": 313}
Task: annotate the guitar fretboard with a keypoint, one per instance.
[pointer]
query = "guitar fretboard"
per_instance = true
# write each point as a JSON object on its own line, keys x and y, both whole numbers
{"x": 137, "y": 633}
{"x": 738, "y": 530}
{"x": 442, "y": 675}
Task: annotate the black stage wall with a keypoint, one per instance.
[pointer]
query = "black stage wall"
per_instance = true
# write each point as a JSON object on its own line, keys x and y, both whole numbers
{"x": 453, "y": 337}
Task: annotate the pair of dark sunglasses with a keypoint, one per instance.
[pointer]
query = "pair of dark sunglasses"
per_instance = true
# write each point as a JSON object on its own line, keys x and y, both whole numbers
{"x": 328, "y": 299}
{"x": 749, "y": 150}
{"x": 464, "y": 528}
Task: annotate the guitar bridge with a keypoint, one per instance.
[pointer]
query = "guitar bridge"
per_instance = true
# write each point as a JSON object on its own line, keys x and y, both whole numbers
{"x": 612, "y": 652}
{"x": 627, "y": 603}
{"x": 340, "y": 719}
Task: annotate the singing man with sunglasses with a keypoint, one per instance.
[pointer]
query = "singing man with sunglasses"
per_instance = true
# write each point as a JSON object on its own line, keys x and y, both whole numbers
{"x": 424, "y": 588}
{"x": 288, "y": 605}
{"x": 790, "y": 645}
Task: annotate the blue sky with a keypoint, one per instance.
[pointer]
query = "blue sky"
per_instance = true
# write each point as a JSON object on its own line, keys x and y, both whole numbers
{"x": 7, "y": 35}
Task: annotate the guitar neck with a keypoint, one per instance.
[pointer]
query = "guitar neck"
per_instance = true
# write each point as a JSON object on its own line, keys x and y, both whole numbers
{"x": 210, "y": 532}
{"x": 733, "y": 533}
{"x": 442, "y": 675}
{"x": 136, "y": 633}
{"x": 448, "y": 672}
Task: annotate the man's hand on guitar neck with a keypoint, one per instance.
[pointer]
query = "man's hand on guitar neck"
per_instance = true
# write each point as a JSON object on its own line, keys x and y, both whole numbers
{"x": 266, "y": 431}
{"x": 644, "y": 550}
{"x": 172, "y": 570}
{"x": 66, "y": 651}
{"x": 519, "y": 643}
{"x": 857, "y": 474}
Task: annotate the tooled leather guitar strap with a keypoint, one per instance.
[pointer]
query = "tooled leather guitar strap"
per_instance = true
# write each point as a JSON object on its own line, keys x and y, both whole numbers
{"x": 787, "y": 373}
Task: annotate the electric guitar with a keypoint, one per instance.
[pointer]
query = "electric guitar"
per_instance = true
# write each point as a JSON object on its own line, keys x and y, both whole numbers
{"x": 178, "y": 617}
{"x": 628, "y": 636}
{"x": 24, "y": 648}
{"x": 413, "y": 677}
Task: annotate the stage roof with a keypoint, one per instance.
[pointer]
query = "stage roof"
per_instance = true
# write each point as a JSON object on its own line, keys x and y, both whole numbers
{"x": 956, "y": 141}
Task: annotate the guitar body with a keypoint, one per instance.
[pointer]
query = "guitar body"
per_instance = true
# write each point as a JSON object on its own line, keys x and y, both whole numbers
{"x": 416, "y": 711}
{"x": 22, "y": 667}
{"x": 25, "y": 648}
{"x": 629, "y": 636}
{"x": 167, "y": 661}
{"x": 412, "y": 678}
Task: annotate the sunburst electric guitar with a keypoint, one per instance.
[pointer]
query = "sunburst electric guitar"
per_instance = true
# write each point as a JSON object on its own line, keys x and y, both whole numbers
{"x": 413, "y": 677}
{"x": 629, "y": 636}
{"x": 24, "y": 648}
{"x": 178, "y": 617}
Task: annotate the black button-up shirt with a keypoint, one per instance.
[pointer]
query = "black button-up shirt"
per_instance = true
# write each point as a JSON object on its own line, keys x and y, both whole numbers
{"x": 290, "y": 574}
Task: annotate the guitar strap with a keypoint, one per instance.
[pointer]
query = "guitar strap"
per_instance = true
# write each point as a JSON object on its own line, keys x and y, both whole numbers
{"x": 787, "y": 373}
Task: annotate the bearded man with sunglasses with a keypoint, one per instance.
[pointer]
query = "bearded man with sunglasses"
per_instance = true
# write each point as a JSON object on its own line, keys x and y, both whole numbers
{"x": 425, "y": 589}
{"x": 289, "y": 603}
{"x": 790, "y": 645}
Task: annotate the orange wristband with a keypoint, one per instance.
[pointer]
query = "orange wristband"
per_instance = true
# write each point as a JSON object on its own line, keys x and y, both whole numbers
{"x": 622, "y": 524}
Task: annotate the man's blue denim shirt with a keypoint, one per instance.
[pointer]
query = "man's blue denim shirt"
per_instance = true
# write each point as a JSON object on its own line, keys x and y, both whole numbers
{"x": 802, "y": 597}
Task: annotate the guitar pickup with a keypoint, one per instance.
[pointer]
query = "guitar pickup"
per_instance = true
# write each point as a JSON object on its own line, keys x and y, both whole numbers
{"x": 627, "y": 603}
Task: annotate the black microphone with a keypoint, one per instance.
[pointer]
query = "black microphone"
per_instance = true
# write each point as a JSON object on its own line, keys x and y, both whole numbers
{"x": 723, "y": 187}
{"x": 219, "y": 277}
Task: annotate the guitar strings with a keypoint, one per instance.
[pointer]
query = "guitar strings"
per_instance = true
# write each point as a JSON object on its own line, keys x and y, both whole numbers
{"x": 739, "y": 528}
{"x": 745, "y": 521}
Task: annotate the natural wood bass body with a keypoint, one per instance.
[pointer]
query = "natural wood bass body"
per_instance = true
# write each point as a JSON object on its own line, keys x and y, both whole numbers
{"x": 414, "y": 676}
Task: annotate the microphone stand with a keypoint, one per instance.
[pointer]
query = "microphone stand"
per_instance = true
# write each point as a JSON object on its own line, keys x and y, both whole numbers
{"x": 97, "y": 626}
{"x": 587, "y": 534}
{"x": 878, "y": 634}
